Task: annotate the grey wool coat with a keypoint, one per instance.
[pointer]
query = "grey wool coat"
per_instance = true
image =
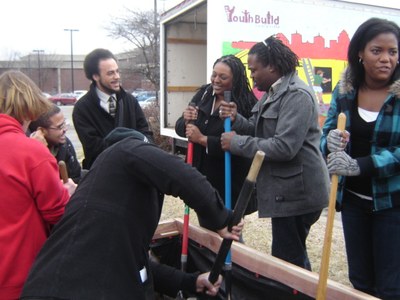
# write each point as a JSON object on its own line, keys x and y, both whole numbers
{"x": 293, "y": 179}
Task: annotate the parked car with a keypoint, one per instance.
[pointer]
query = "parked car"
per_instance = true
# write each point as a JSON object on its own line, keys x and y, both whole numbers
{"x": 64, "y": 99}
{"x": 47, "y": 95}
{"x": 147, "y": 102}
{"x": 80, "y": 93}
{"x": 141, "y": 96}
{"x": 136, "y": 92}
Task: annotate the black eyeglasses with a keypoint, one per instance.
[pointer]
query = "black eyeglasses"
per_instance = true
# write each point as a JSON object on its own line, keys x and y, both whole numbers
{"x": 63, "y": 126}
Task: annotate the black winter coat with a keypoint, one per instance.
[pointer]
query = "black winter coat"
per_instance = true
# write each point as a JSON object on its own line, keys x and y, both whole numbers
{"x": 99, "y": 246}
{"x": 210, "y": 161}
{"x": 92, "y": 123}
{"x": 66, "y": 153}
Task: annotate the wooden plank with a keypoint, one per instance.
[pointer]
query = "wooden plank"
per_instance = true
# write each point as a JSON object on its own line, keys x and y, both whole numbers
{"x": 202, "y": 236}
{"x": 298, "y": 278}
{"x": 186, "y": 41}
{"x": 271, "y": 267}
{"x": 184, "y": 89}
{"x": 166, "y": 229}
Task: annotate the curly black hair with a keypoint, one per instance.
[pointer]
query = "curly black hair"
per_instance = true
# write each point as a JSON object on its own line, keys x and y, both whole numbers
{"x": 91, "y": 62}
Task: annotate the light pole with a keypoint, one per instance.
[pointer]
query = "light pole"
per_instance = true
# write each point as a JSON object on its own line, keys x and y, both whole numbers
{"x": 155, "y": 23}
{"x": 72, "y": 58}
{"x": 39, "y": 77}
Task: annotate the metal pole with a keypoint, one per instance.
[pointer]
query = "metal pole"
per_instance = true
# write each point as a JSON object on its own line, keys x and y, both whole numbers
{"x": 185, "y": 235}
{"x": 39, "y": 75}
{"x": 155, "y": 22}
{"x": 29, "y": 66}
{"x": 228, "y": 200}
{"x": 156, "y": 53}
{"x": 72, "y": 59}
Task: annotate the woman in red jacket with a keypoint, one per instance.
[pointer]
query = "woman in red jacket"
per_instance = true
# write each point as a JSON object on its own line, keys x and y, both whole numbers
{"x": 32, "y": 196}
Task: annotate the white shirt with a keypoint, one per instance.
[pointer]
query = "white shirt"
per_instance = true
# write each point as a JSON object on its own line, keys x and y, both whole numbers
{"x": 104, "y": 99}
{"x": 368, "y": 116}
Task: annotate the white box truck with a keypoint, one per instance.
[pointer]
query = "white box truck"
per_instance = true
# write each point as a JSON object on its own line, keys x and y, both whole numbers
{"x": 195, "y": 33}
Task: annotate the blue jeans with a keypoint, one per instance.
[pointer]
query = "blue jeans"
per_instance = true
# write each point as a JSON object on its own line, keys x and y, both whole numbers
{"x": 373, "y": 247}
{"x": 289, "y": 236}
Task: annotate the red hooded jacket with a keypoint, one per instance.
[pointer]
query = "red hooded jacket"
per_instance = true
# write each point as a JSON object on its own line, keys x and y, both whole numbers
{"x": 31, "y": 198}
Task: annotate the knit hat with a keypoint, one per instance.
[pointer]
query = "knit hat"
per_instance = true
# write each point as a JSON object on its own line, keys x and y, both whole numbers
{"x": 120, "y": 133}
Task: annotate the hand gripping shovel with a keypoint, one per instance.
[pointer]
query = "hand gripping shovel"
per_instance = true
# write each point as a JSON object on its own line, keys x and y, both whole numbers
{"x": 326, "y": 251}
{"x": 240, "y": 207}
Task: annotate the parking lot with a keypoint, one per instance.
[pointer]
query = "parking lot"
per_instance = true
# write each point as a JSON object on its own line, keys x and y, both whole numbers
{"x": 71, "y": 133}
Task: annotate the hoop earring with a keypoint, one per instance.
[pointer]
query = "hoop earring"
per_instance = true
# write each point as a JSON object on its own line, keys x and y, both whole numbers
{"x": 360, "y": 61}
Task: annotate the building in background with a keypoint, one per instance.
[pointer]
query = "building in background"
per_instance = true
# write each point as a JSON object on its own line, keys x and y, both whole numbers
{"x": 52, "y": 72}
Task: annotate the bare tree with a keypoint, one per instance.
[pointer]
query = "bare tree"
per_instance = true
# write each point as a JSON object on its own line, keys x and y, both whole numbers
{"x": 12, "y": 61}
{"x": 141, "y": 28}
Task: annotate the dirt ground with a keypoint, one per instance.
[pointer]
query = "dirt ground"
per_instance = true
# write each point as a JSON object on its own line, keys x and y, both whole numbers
{"x": 257, "y": 235}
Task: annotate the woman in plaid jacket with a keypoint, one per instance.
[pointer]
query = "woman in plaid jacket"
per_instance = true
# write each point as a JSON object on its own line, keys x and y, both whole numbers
{"x": 367, "y": 156}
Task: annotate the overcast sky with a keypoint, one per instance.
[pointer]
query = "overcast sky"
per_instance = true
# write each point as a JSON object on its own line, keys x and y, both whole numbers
{"x": 387, "y": 3}
{"x": 27, "y": 25}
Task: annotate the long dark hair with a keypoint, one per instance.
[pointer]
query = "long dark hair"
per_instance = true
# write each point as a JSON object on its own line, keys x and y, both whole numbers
{"x": 242, "y": 93}
{"x": 366, "y": 32}
{"x": 275, "y": 53}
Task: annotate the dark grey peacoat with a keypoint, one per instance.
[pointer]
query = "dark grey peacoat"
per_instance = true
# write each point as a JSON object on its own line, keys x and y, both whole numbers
{"x": 294, "y": 179}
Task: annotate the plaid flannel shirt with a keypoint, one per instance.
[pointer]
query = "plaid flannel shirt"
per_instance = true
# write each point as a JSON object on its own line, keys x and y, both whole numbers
{"x": 385, "y": 144}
